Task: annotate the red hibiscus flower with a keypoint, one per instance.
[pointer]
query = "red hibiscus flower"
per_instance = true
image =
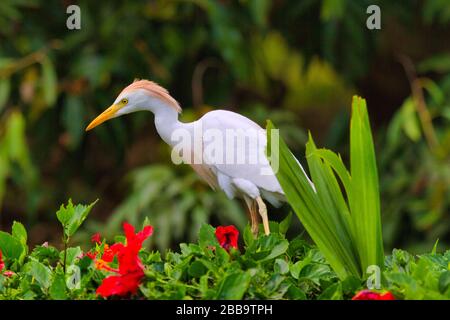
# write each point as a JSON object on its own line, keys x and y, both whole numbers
{"x": 91, "y": 255}
{"x": 371, "y": 295}
{"x": 7, "y": 273}
{"x": 227, "y": 237}
{"x": 2, "y": 263}
{"x": 96, "y": 238}
{"x": 131, "y": 270}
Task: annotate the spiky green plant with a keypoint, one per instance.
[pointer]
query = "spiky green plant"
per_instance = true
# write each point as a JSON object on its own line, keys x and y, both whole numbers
{"x": 344, "y": 222}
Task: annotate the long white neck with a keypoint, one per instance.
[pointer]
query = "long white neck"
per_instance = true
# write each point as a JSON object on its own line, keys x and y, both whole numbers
{"x": 166, "y": 123}
{"x": 166, "y": 117}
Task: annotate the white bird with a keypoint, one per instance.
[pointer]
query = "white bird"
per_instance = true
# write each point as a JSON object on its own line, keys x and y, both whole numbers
{"x": 214, "y": 158}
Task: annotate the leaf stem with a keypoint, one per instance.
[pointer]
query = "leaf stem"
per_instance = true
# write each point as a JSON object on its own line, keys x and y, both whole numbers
{"x": 65, "y": 240}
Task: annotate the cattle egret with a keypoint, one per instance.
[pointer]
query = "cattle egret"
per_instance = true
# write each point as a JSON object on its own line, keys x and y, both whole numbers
{"x": 215, "y": 158}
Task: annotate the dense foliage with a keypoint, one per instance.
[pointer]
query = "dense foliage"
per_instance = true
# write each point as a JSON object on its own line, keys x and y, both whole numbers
{"x": 268, "y": 267}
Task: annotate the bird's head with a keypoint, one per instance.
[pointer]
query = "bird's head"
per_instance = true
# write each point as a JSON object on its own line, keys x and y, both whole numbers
{"x": 140, "y": 95}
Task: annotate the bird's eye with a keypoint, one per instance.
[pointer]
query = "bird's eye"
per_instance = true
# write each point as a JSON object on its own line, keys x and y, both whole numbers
{"x": 124, "y": 101}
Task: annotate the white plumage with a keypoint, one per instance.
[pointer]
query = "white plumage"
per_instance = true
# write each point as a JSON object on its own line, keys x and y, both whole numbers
{"x": 230, "y": 168}
{"x": 244, "y": 177}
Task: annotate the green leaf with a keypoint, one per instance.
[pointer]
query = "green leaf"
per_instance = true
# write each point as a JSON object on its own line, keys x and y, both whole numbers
{"x": 41, "y": 253}
{"x": 437, "y": 63}
{"x": 120, "y": 238}
{"x": 40, "y": 272}
{"x": 296, "y": 293}
{"x": 207, "y": 236}
{"x": 434, "y": 250}
{"x": 146, "y": 222}
{"x": 248, "y": 236}
{"x": 281, "y": 266}
{"x": 297, "y": 267}
{"x": 277, "y": 250}
{"x": 284, "y": 225}
{"x": 347, "y": 230}
{"x": 64, "y": 214}
{"x": 72, "y": 254}
{"x": 233, "y": 286}
{"x": 444, "y": 281}
{"x": 410, "y": 121}
{"x": 16, "y": 140}
{"x": 49, "y": 81}
{"x": 335, "y": 212}
{"x": 365, "y": 208}
{"x": 11, "y": 247}
{"x": 351, "y": 285}
{"x": 58, "y": 287}
{"x": 19, "y": 232}
{"x": 197, "y": 269}
{"x": 71, "y": 217}
{"x": 309, "y": 209}
{"x": 333, "y": 292}
{"x": 5, "y": 88}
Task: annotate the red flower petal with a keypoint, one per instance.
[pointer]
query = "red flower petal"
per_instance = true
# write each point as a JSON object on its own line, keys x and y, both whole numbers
{"x": 227, "y": 236}
{"x": 116, "y": 247}
{"x": 110, "y": 286}
{"x": 131, "y": 270}
{"x": 108, "y": 254}
{"x": 91, "y": 255}
{"x": 387, "y": 296}
{"x": 371, "y": 295}
{"x": 2, "y": 263}
{"x": 96, "y": 238}
{"x": 128, "y": 230}
{"x": 120, "y": 285}
{"x": 145, "y": 233}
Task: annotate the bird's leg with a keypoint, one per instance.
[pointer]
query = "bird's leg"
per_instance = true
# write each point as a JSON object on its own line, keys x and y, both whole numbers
{"x": 263, "y": 213}
{"x": 251, "y": 204}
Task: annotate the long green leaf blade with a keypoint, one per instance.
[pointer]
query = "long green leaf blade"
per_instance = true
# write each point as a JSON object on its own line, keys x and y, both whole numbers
{"x": 365, "y": 208}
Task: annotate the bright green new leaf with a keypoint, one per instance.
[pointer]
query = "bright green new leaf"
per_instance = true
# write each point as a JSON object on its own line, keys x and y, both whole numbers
{"x": 18, "y": 231}
{"x": 71, "y": 217}
{"x": 365, "y": 207}
{"x": 11, "y": 247}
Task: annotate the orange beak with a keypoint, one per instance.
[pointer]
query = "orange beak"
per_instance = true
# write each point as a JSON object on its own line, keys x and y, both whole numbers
{"x": 104, "y": 116}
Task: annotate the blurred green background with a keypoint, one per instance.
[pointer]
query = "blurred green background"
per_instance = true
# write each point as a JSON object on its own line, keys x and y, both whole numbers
{"x": 297, "y": 62}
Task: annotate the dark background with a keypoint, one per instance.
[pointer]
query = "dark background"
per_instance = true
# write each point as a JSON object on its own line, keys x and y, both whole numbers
{"x": 295, "y": 62}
